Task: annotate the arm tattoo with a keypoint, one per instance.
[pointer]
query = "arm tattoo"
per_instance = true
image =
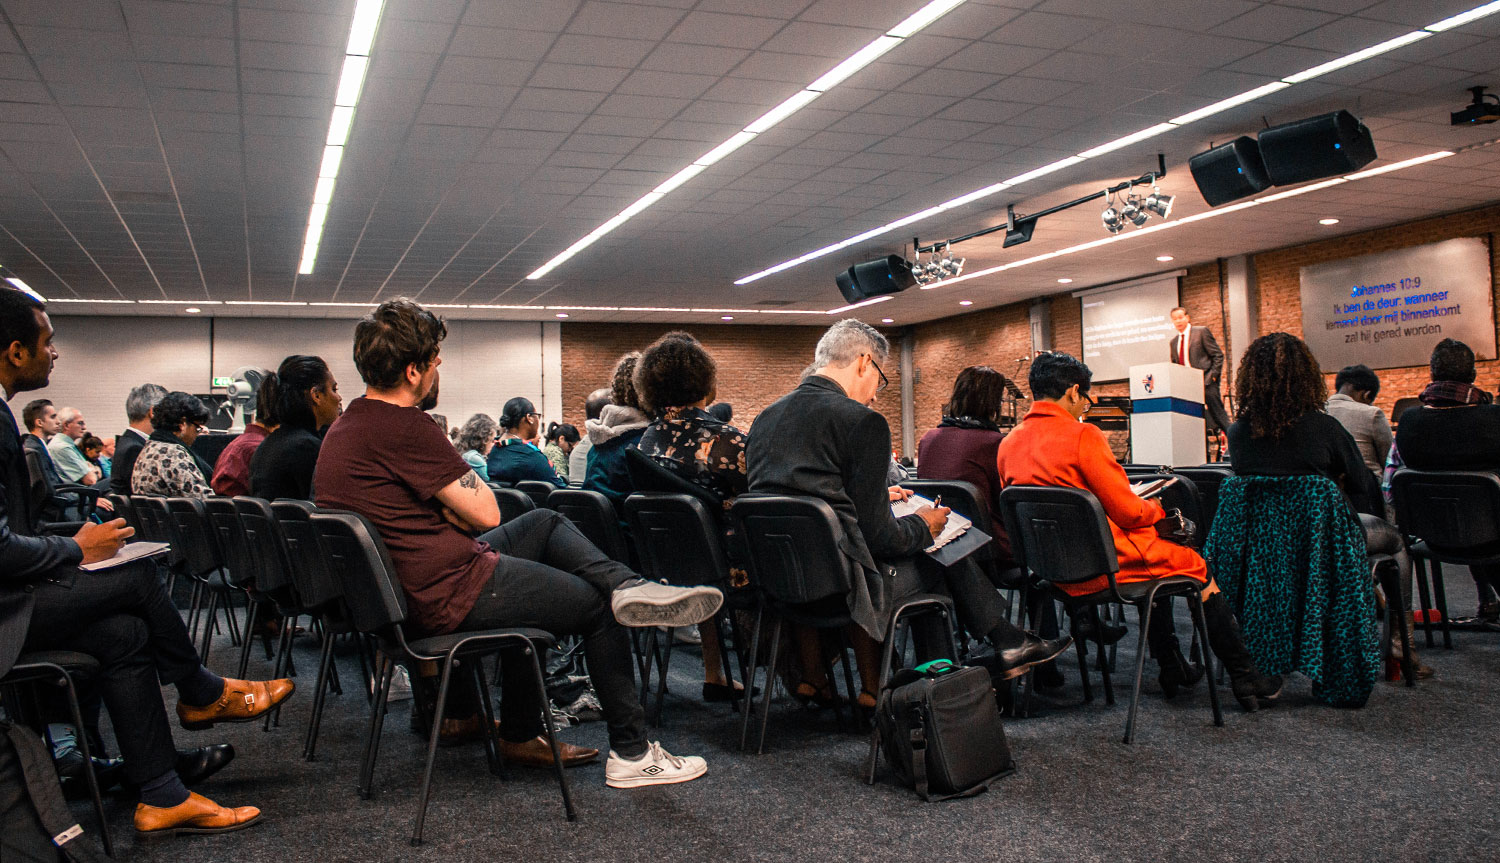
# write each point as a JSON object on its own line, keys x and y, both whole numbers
{"x": 470, "y": 481}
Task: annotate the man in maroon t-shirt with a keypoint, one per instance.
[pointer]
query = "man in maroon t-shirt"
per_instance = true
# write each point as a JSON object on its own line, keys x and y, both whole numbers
{"x": 386, "y": 460}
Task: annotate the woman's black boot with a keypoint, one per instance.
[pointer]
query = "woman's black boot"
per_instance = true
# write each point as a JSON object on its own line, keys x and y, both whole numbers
{"x": 1252, "y": 689}
{"x": 1176, "y": 672}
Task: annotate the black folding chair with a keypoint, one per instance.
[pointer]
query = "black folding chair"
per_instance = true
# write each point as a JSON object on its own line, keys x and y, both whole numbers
{"x": 1062, "y": 536}
{"x": 595, "y": 517}
{"x": 64, "y": 503}
{"x": 1207, "y": 479}
{"x": 513, "y": 503}
{"x": 268, "y": 553}
{"x": 358, "y": 559}
{"x": 1454, "y": 517}
{"x": 230, "y": 534}
{"x": 537, "y": 490}
{"x": 203, "y": 561}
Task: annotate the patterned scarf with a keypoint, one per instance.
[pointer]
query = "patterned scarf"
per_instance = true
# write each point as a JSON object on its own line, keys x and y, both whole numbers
{"x": 1447, "y": 394}
{"x": 967, "y": 423}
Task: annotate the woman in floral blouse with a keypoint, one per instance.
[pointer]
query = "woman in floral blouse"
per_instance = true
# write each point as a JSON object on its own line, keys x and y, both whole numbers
{"x": 166, "y": 465}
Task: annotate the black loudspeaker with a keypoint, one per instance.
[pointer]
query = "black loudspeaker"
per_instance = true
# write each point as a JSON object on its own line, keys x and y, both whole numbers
{"x": 888, "y": 275}
{"x": 1318, "y": 147}
{"x": 1229, "y": 171}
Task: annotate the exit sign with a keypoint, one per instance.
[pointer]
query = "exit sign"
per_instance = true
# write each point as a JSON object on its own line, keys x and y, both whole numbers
{"x": 223, "y": 381}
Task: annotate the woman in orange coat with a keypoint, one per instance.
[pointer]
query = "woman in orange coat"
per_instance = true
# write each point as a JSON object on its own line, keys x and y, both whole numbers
{"x": 1053, "y": 447}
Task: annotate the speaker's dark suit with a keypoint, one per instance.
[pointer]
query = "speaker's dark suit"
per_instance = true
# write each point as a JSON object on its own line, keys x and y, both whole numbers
{"x": 1204, "y": 354}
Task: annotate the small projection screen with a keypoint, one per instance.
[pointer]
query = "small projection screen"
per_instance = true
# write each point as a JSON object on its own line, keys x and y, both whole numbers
{"x": 1128, "y": 324}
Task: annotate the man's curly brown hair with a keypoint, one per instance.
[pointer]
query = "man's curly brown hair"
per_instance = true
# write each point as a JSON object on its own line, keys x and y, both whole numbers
{"x": 1278, "y": 382}
{"x": 622, "y": 386}
{"x": 675, "y": 371}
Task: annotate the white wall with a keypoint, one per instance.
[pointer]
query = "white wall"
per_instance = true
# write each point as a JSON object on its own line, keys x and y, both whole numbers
{"x": 101, "y": 358}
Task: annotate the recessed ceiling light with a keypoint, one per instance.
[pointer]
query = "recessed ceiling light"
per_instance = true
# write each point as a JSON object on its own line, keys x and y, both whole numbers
{"x": 966, "y": 302}
{"x": 887, "y": 320}
{"x": 1065, "y": 281}
{"x": 192, "y": 310}
{"x": 1328, "y": 221}
{"x": 1164, "y": 258}
{"x": 562, "y": 314}
{"x": 726, "y": 317}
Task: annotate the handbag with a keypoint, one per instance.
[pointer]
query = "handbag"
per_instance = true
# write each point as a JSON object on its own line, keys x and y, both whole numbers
{"x": 1177, "y": 528}
{"x": 941, "y": 731}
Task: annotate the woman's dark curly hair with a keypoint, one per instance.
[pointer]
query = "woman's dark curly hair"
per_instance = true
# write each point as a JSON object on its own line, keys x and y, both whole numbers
{"x": 176, "y": 408}
{"x": 1277, "y": 383}
{"x": 979, "y": 392}
{"x": 622, "y": 388}
{"x": 673, "y": 372}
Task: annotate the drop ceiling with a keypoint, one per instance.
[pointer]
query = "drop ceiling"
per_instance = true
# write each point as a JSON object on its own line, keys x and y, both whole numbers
{"x": 166, "y": 151}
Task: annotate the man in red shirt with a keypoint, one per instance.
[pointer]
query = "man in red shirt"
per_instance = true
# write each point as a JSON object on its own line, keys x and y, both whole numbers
{"x": 232, "y": 470}
{"x": 386, "y": 460}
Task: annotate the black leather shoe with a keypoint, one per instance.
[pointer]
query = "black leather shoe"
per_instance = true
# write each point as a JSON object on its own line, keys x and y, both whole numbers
{"x": 196, "y": 765}
{"x": 1108, "y": 633}
{"x": 1014, "y": 661}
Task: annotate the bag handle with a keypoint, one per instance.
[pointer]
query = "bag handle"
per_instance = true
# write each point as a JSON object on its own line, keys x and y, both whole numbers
{"x": 919, "y": 749}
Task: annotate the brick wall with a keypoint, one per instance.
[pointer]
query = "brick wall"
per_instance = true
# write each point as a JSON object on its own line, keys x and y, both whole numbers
{"x": 1278, "y": 280}
{"x": 993, "y": 337}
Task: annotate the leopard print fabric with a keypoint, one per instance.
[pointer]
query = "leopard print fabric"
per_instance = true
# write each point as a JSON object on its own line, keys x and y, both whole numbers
{"x": 1290, "y": 556}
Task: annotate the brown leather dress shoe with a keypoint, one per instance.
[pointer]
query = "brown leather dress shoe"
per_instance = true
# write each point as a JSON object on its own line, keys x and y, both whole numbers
{"x": 197, "y": 814}
{"x": 242, "y": 701}
{"x": 536, "y": 752}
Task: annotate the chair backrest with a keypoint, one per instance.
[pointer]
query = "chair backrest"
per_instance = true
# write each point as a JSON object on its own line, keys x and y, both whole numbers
{"x": 1207, "y": 479}
{"x": 363, "y": 569}
{"x": 595, "y": 517}
{"x": 225, "y": 523}
{"x": 647, "y": 475}
{"x": 512, "y": 502}
{"x": 494, "y": 483}
{"x": 315, "y": 584}
{"x": 793, "y": 544}
{"x": 268, "y": 550}
{"x": 678, "y": 540}
{"x": 959, "y": 496}
{"x": 199, "y": 544}
{"x": 41, "y": 487}
{"x": 1401, "y": 406}
{"x": 1131, "y": 467}
{"x": 157, "y": 525}
{"x": 1060, "y": 534}
{"x": 537, "y": 490}
{"x": 125, "y": 508}
{"x": 1453, "y": 511}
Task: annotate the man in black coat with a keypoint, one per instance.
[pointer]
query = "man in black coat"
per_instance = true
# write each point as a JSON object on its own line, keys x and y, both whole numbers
{"x": 121, "y": 616}
{"x": 1202, "y": 352}
{"x": 128, "y": 443}
{"x": 822, "y": 440}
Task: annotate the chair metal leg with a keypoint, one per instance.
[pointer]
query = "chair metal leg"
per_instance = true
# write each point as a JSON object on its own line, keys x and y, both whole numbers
{"x": 1143, "y": 615}
{"x": 662, "y": 662}
{"x": 244, "y": 666}
{"x": 648, "y": 653}
{"x": 385, "y": 670}
{"x": 432, "y": 742}
{"x": 562, "y": 776}
{"x": 765, "y": 713}
{"x": 749, "y": 675}
{"x": 1395, "y": 619}
{"x": 492, "y": 754}
{"x": 320, "y": 697}
{"x": 1440, "y": 593}
{"x": 724, "y": 626}
{"x": 1422, "y": 594}
{"x": 208, "y": 628}
{"x": 88, "y": 772}
{"x": 1200, "y": 623}
{"x": 1083, "y": 670}
{"x": 283, "y": 658}
{"x": 1109, "y": 689}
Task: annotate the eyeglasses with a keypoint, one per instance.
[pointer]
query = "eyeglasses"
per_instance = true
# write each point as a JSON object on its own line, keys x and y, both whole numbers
{"x": 1088, "y": 402}
{"x": 884, "y": 381}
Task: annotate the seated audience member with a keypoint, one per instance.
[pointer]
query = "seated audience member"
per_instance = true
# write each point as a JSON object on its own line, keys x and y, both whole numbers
{"x": 128, "y": 444}
{"x": 515, "y": 457}
{"x": 167, "y": 465}
{"x": 232, "y": 471}
{"x": 578, "y": 459}
{"x": 561, "y": 438}
{"x": 619, "y": 426}
{"x": 1457, "y": 427}
{"x": 304, "y": 397}
{"x": 385, "y": 460}
{"x": 66, "y": 454}
{"x": 92, "y": 448}
{"x": 475, "y": 440}
{"x": 123, "y": 617}
{"x": 1051, "y": 447}
{"x": 721, "y": 411}
{"x": 42, "y": 423}
{"x": 1353, "y": 405}
{"x": 675, "y": 380}
{"x": 105, "y": 459}
{"x": 964, "y": 444}
{"x": 823, "y": 440}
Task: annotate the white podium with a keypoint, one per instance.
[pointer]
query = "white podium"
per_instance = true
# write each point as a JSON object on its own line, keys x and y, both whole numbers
{"x": 1166, "y": 421}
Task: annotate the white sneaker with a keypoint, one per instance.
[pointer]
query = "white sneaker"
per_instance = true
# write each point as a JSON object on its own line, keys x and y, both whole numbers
{"x": 656, "y": 767}
{"x": 647, "y": 603}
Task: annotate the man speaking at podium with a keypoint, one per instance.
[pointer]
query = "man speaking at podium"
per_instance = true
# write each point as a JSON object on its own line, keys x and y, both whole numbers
{"x": 1196, "y": 347}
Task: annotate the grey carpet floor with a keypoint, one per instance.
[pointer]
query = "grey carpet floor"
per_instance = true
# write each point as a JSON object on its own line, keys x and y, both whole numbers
{"x": 1412, "y": 776}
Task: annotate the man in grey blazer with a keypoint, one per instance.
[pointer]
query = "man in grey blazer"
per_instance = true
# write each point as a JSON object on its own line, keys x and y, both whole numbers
{"x": 1196, "y": 347}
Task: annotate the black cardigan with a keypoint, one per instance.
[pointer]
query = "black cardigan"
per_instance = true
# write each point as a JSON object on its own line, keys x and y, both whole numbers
{"x": 1315, "y": 444}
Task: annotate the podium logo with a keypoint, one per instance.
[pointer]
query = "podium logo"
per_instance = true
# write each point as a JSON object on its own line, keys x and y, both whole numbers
{"x": 1149, "y": 383}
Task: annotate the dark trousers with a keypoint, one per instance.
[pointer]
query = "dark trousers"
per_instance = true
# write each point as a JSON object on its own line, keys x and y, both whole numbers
{"x": 124, "y": 618}
{"x": 551, "y": 577}
{"x": 1213, "y": 408}
{"x": 975, "y": 600}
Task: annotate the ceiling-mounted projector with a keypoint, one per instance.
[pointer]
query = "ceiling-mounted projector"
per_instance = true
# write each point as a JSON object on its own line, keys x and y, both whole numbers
{"x": 1478, "y": 111}
{"x": 888, "y": 275}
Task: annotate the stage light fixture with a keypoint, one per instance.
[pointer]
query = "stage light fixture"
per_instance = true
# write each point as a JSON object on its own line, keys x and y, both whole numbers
{"x": 1113, "y": 221}
{"x": 1133, "y": 213}
{"x": 1159, "y": 204}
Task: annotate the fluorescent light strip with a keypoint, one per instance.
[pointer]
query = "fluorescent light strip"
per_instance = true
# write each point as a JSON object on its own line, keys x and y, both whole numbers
{"x": 362, "y": 30}
{"x": 1150, "y": 132}
{"x": 25, "y": 289}
{"x": 180, "y": 302}
{"x": 912, "y": 25}
{"x": 109, "y": 302}
{"x": 264, "y": 303}
{"x": 346, "y": 305}
{"x": 1396, "y": 166}
{"x": 859, "y": 305}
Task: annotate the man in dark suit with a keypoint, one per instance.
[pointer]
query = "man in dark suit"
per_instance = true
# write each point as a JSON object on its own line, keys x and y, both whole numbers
{"x": 822, "y": 440}
{"x": 122, "y": 616}
{"x": 128, "y": 445}
{"x": 1196, "y": 347}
